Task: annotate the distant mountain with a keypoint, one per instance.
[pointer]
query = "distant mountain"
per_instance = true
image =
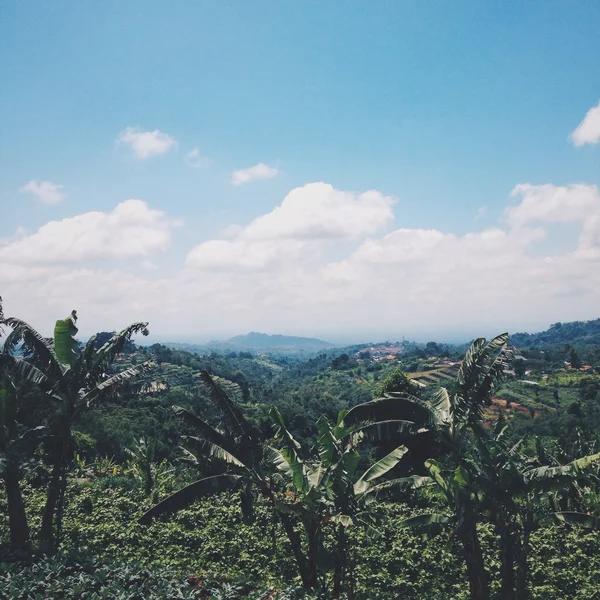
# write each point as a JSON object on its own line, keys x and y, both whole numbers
{"x": 575, "y": 332}
{"x": 261, "y": 342}
{"x": 274, "y": 343}
{"x": 264, "y": 341}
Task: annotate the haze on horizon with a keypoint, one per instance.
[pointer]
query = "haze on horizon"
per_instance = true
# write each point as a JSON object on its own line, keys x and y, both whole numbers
{"x": 352, "y": 172}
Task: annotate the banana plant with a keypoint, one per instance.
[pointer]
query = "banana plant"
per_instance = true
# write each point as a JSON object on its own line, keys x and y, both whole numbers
{"x": 479, "y": 473}
{"x": 74, "y": 380}
{"x": 143, "y": 465}
{"x": 277, "y": 474}
{"x": 247, "y": 465}
{"x": 142, "y": 457}
{"x": 238, "y": 448}
{"x": 517, "y": 493}
{"x": 326, "y": 490}
{"x": 449, "y": 418}
{"x": 579, "y": 519}
{"x": 17, "y": 447}
{"x": 17, "y": 442}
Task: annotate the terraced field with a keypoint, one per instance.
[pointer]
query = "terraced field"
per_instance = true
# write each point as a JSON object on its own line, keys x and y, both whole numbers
{"x": 434, "y": 376}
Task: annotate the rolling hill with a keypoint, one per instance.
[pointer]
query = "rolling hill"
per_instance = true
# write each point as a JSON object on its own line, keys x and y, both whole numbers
{"x": 261, "y": 342}
{"x": 575, "y": 332}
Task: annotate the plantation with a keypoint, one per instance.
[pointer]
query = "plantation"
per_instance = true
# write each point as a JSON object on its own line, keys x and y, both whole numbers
{"x": 148, "y": 472}
{"x": 105, "y": 549}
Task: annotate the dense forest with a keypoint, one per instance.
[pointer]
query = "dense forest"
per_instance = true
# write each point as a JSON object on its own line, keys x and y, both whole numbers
{"x": 374, "y": 471}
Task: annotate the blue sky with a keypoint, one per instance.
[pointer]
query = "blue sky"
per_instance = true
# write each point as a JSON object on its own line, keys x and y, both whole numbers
{"x": 442, "y": 107}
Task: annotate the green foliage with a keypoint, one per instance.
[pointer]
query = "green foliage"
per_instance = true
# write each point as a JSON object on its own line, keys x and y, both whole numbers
{"x": 397, "y": 381}
{"x": 278, "y": 439}
{"x": 576, "y": 332}
{"x": 75, "y": 579}
{"x": 65, "y": 344}
{"x": 212, "y": 540}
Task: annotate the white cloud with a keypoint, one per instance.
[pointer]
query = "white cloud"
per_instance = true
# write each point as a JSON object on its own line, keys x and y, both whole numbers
{"x": 552, "y": 204}
{"x": 195, "y": 160}
{"x": 230, "y": 231}
{"x": 588, "y": 131}
{"x": 255, "y": 173}
{"x": 401, "y": 246}
{"x": 45, "y": 191}
{"x": 131, "y": 230}
{"x": 546, "y": 204}
{"x": 106, "y": 299}
{"x": 16, "y": 274}
{"x": 145, "y": 144}
{"x": 589, "y": 240}
{"x": 148, "y": 265}
{"x": 234, "y": 255}
{"x": 429, "y": 250}
{"x": 308, "y": 217}
{"x": 409, "y": 277}
{"x": 319, "y": 211}
{"x": 281, "y": 273}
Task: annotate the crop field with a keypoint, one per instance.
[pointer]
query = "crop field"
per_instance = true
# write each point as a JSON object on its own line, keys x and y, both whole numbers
{"x": 434, "y": 376}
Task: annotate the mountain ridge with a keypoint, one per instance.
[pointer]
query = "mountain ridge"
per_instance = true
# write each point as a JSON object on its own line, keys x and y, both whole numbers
{"x": 276, "y": 343}
{"x": 256, "y": 339}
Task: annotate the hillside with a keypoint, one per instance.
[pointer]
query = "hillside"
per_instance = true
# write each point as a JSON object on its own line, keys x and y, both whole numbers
{"x": 261, "y": 342}
{"x": 575, "y": 333}
{"x": 136, "y": 456}
{"x": 258, "y": 341}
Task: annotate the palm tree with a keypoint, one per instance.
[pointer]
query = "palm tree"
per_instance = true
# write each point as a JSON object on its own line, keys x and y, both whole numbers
{"x": 451, "y": 417}
{"x": 75, "y": 381}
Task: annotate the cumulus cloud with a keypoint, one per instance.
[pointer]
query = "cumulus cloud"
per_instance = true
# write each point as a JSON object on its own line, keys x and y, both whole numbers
{"x": 424, "y": 253}
{"x": 308, "y": 217}
{"x": 236, "y": 255}
{"x": 326, "y": 261}
{"x": 195, "y": 160}
{"x": 552, "y": 203}
{"x": 410, "y": 275}
{"x": 255, "y": 173}
{"x": 144, "y": 144}
{"x": 589, "y": 240}
{"x": 131, "y": 230}
{"x": 588, "y": 131}
{"x": 106, "y": 299}
{"x": 319, "y": 211}
{"x": 491, "y": 274}
{"x": 401, "y": 246}
{"x": 45, "y": 191}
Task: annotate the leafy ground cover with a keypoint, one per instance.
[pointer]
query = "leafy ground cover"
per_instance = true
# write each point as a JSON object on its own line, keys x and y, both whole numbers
{"x": 210, "y": 549}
